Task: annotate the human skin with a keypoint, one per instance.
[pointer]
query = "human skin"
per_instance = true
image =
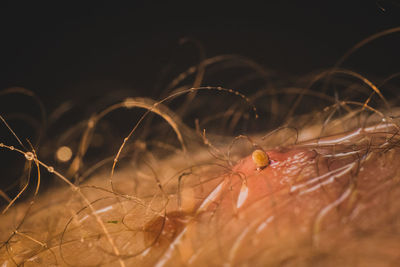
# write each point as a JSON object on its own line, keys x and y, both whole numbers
{"x": 328, "y": 195}
{"x": 320, "y": 202}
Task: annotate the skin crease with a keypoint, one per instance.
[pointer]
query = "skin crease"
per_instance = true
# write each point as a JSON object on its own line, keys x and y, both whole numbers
{"x": 318, "y": 203}
{"x": 327, "y": 196}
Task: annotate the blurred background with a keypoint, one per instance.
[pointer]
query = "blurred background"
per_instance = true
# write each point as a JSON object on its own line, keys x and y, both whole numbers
{"x": 80, "y": 58}
{"x": 60, "y": 49}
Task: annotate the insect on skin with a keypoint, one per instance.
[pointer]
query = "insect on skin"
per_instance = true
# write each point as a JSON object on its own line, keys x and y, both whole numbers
{"x": 260, "y": 159}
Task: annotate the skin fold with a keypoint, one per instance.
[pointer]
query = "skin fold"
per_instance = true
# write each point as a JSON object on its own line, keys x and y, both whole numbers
{"x": 184, "y": 187}
{"x": 322, "y": 202}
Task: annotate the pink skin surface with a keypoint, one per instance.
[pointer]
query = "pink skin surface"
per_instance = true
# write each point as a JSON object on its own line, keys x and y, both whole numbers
{"x": 305, "y": 204}
{"x": 314, "y": 204}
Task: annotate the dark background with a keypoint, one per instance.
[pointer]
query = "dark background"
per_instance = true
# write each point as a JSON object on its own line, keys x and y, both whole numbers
{"x": 78, "y": 53}
{"x": 64, "y": 50}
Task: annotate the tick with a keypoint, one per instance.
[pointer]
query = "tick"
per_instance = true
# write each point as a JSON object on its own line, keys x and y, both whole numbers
{"x": 260, "y": 159}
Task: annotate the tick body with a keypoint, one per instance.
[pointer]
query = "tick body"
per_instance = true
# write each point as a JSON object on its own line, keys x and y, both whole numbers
{"x": 260, "y": 159}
